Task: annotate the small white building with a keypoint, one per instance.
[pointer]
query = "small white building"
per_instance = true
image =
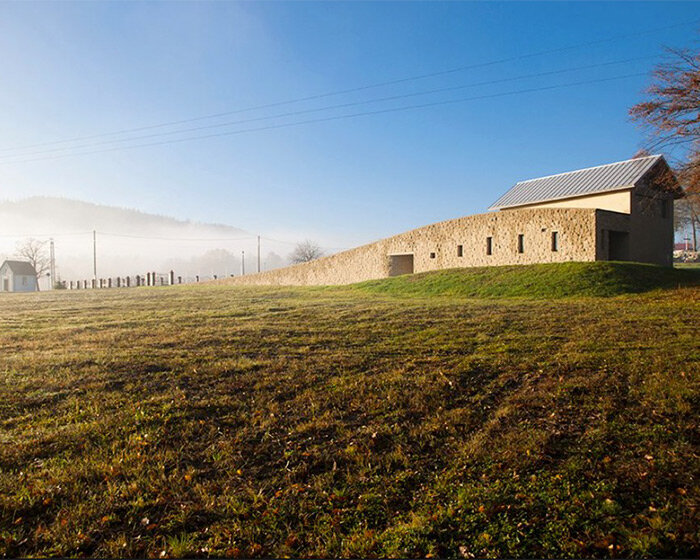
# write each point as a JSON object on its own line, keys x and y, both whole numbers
{"x": 17, "y": 276}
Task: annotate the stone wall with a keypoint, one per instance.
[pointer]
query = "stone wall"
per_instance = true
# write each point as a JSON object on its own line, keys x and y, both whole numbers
{"x": 607, "y": 222}
{"x": 651, "y": 226}
{"x": 437, "y": 246}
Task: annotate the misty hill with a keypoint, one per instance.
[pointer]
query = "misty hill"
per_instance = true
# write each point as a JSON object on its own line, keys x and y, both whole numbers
{"x": 130, "y": 241}
{"x": 40, "y": 216}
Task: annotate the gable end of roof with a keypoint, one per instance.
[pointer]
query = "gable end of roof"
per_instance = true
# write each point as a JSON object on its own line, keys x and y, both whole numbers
{"x": 611, "y": 177}
{"x": 21, "y": 268}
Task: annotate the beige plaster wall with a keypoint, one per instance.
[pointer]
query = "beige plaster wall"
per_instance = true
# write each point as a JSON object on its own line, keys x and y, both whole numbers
{"x": 576, "y": 229}
{"x": 615, "y": 201}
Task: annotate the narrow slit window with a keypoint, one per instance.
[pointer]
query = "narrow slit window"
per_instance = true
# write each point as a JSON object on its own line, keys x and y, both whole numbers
{"x": 521, "y": 243}
{"x": 555, "y": 241}
{"x": 432, "y": 255}
{"x": 460, "y": 250}
{"x": 489, "y": 245}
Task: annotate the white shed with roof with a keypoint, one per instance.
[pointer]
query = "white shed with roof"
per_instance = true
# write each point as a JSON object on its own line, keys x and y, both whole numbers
{"x": 17, "y": 276}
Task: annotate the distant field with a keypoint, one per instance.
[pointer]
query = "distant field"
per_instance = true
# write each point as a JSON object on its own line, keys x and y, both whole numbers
{"x": 385, "y": 419}
{"x": 688, "y": 265}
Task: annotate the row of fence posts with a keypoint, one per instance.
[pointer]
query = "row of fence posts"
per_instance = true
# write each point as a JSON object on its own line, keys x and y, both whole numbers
{"x": 151, "y": 279}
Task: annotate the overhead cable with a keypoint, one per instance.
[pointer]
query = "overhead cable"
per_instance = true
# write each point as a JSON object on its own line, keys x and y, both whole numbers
{"x": 364, "y": 87}
{"x": 332, "y": 118}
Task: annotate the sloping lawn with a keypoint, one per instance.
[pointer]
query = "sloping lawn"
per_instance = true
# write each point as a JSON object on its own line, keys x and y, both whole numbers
{"x": 225, "y": 421}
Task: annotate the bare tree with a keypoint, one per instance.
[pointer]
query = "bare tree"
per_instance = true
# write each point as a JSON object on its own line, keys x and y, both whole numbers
{"x": 672, "y": 115}
{"x": 305, "y": 251}
{"x": 671, "y": 111}
{"x": 35, "y": 252}
{"x": 687, "y": 216}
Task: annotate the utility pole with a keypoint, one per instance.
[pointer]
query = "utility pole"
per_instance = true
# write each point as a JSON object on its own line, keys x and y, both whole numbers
{"x": 52, "y": 256}
{"x": 242, "y": 263}
{"x": 258, "y": 253}
{"x": 94, "y": 254}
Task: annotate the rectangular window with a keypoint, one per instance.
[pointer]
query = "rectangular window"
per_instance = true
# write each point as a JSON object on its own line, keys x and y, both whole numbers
{"x": 489, "y": 245}
{"x": 521, "y": 243}
{"x": 460, "y": 250}
{"x": 432, "y": 255}
{"x": 555, "y": 241}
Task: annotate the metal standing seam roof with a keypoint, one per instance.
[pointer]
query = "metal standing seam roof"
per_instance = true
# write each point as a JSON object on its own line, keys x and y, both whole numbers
{"x": 603, "y": 178}
{"x": 22, "y": 268}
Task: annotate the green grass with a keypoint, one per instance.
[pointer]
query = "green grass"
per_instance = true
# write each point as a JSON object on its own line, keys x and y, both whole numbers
{"x": 214, "y": 420}
{"x": 592, "y": 279}
{"x": 688, "y": 266}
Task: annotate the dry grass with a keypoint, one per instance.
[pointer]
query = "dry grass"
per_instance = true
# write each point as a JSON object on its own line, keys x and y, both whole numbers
{"x": 223, "y": 421}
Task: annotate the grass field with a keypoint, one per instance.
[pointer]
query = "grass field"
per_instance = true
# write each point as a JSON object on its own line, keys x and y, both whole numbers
{"x": 385, "y": 419}
{"x": 687, "y": 265}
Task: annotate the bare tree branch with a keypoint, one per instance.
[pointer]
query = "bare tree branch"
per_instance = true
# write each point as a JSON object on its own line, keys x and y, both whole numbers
{"x": 305, "y": 251}
{"x": 35, "y": 252}
{"x": 672, "y": 111}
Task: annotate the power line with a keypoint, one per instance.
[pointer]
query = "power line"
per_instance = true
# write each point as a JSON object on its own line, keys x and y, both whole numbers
{"x": 126, "y": 235}
{"x": 13, "y": 235}
{"x": 161, "y": 238}
{"x": 297, "y": 243}
{"x": 218, "y": 239}
{"x": 363, "y": 88}
{"x": 333, "y": 118}
{"x": 329, "y": 107}
{"x": 95, "y": 233}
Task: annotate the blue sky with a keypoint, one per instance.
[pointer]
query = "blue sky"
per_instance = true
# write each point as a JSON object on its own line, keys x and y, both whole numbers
{"x": 81, "y": 69}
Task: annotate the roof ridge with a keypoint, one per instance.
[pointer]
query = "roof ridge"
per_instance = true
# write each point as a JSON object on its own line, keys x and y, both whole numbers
{"x": 588, "y": 168}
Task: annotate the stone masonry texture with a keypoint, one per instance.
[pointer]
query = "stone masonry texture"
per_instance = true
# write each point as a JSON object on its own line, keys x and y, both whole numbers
{"x": 436, "y": 247}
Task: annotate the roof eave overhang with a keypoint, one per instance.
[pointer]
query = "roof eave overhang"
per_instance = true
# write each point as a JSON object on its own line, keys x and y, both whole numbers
{"x": 559, "y": 199}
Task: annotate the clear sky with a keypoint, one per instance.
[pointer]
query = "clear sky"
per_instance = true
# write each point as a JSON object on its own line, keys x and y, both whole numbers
{"x": 74, "y": 70}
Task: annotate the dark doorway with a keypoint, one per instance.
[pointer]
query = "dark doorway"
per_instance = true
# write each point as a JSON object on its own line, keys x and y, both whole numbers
{"x": 5, "y": 284}
{"x": 619, "y": 249}
{"x": 400, "y": 264}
